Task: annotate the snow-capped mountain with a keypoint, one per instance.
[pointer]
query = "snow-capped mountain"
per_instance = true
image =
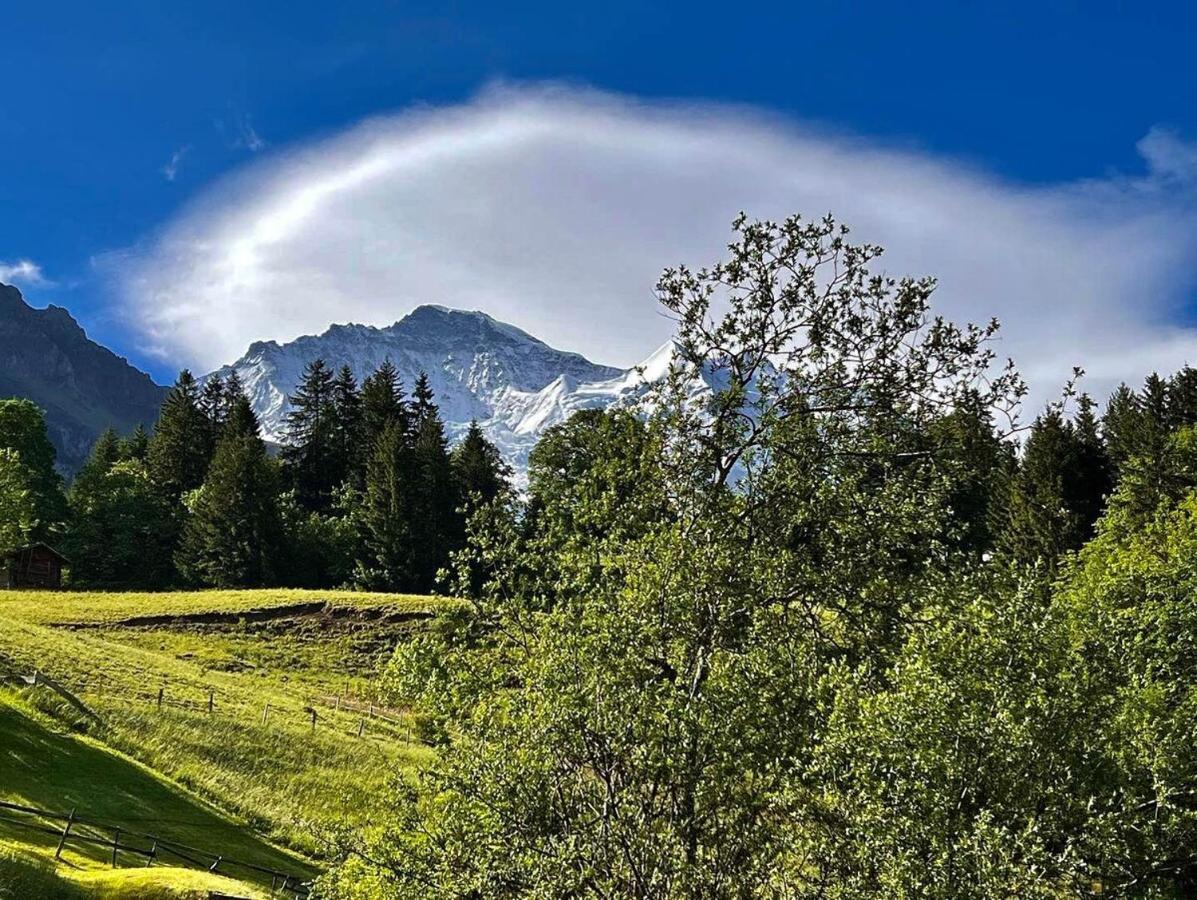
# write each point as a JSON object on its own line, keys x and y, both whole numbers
{"x": 514, "y": 385}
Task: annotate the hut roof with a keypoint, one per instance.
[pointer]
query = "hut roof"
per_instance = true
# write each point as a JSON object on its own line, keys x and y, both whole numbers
{"x": 36, "y": 545}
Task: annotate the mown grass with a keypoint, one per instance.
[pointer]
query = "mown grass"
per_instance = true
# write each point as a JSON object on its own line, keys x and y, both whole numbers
{"x": 96, "y": 607}
{"x": 279, "y": 777}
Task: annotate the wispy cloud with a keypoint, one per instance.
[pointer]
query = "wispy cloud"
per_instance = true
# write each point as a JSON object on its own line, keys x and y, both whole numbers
{"x": 23, "y": 271}
{"x": 170, "y": 171}
{"x": 555, "y": 209}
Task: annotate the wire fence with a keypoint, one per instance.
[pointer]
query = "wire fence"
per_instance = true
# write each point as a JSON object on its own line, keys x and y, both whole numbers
{"x": 147, "y": 848}
{"x": 343, "y": 715}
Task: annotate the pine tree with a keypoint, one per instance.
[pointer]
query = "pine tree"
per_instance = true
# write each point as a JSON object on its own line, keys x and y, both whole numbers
{"x": 979, "y": 465}
{"x": 212, "y": 405}
{"x": 1182, "y": 398}
{"x": 1059, "y": 490}
{"x": 1121, "y": 425}
{"x": 311, "y": 449}
{"x": 479, "y": 471}
{"x": 180, "y": 449}
{"x": 137, "y": 445}
{"x": 1094, "y": 477}
{"x": 382, "y": 402}
{"x": 422, "y": 405}
{"x": 437, "y": 526}
{"x": 387, "y": 515}
{"x": 347, "y": 426}
{"x": 232, "y": 538}
{"x": 106, "y": 452}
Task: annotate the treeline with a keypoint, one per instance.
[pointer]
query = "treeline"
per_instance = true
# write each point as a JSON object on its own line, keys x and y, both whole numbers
{"x": 839, "y": 631}
{"x": 365, "y": 490}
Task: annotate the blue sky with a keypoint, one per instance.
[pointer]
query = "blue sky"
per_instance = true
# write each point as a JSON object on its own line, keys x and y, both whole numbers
{"x": 99, "y": 98}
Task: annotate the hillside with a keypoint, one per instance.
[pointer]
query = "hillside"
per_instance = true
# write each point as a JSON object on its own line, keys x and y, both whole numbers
{"x": 83, "y": 387}
{"x": 255, "y": 710}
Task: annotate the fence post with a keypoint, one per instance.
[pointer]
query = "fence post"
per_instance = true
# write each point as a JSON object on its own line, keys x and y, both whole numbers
{"x": 265, "y": 713}
{"x": 116, "y": 842}
{"x": 66, "y": 831}
{"x": 153, "y": 852}
{"x": 210, "y": 702}
{"x": 313, "y": 718}
{"x": 361, "y": 726}
{"x": 161, "y": 691}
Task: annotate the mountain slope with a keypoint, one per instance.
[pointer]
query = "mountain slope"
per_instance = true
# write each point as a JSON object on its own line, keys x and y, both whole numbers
{"x": 83, "y": 387}
{"x": 514, "y": 385}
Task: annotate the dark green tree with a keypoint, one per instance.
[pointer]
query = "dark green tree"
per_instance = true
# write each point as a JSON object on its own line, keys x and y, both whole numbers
{"x": 136, "y": 446}
{"x": 978, "y": 464}
{"x": 387, "y": 515}
{"x": 423, "y": 403}
{"x": 180, "y": 450}
{"x": 23, "y": 431}
{"x": 121, "y": 526}
{"x": 480, "y": 473}
{"x": 312, "y": 443}
{"x": 232, "y": 536}
{"x": 213, "y": 405}
{"x": 347, "y": 427}
{"x": 383, "y": 402}
{"x": 437, "y": 527}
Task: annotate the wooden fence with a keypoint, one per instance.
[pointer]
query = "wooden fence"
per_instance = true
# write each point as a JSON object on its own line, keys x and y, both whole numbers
{"x": 71, "y": 828}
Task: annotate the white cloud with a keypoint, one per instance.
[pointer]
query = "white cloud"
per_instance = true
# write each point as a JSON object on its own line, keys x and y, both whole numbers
{"x": 24, "y": 271}
{"x": 555, "y": 209}
{"x": 170, "y": 171}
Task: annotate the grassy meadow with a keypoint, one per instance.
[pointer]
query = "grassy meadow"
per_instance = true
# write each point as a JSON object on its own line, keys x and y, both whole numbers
{"x": 205, "y": 700}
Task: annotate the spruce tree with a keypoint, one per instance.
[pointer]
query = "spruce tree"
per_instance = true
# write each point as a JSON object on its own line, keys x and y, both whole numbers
{"x": 180, "y": 449}
{"x": 1182, "y": 398}
{"x": 232, "y": 538}
{"x": 136, "y": 446}
{"x": 1094, "y": 477}
{"x": 106, "y": 452}
{"x": 1121, "y": 426}
{"x": 311, "y": 448}
{"x": 1060, "y": 488}
{"x": 347, "y": 426}
{"x": 212, "y": 405}
{"x": 479, "y": 471}
{"x": 978, "y": 464}
{"x": 437, "y": 525}
{"x": 387, "y": 513}
{"x": 422, "y": 404}
{"x": 383, "y": 401}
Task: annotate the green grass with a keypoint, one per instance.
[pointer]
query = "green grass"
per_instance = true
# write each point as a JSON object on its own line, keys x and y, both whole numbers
{"x": 280, "y": 779}
{"x": 27, "y": 874}
{"x": 47, "y": 768}
{"x": 96, "y": 607}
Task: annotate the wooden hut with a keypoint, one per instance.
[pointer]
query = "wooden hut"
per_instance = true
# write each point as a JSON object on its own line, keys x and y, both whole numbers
{"x": 36, "y": 566}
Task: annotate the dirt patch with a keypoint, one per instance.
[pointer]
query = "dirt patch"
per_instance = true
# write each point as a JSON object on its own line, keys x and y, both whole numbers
{"x": 296, "y": 611}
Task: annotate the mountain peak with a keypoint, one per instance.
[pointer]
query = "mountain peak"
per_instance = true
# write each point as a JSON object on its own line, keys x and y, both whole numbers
{"x": 480, "y": 368}
{"x": 46, "y": 356}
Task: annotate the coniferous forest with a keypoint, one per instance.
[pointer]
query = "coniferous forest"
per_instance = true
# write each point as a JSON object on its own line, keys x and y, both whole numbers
{"x": 844, "y": 628}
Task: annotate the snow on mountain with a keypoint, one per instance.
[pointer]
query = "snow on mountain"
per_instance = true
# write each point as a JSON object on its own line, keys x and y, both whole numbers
{"x": 514, "y": 385}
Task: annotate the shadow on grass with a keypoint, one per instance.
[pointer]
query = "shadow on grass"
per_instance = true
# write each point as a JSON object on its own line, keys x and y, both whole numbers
{"x": 40, "y": 767}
